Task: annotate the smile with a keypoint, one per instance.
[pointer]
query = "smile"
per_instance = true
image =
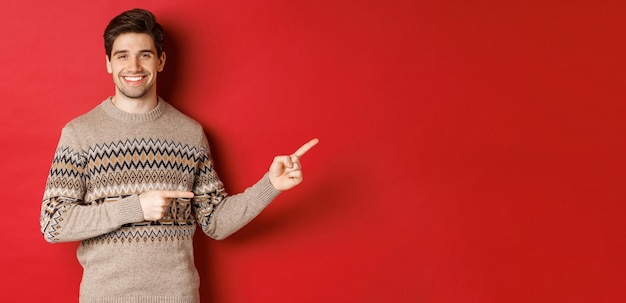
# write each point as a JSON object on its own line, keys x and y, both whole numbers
{"x": 133, "y": 78}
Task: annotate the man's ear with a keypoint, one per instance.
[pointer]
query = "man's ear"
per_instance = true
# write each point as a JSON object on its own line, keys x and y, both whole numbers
{"x": 109, "y": 69}
{"x": 161, "y": 62}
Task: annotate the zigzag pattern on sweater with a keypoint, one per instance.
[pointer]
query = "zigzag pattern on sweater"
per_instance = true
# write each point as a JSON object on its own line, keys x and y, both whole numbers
{"x": 107, "y": 172}
{"x": 128, "y": 167}
{"x": 141, "y": 154}
{"x": 145, "y": 233}
{"x": 50, "y": 218}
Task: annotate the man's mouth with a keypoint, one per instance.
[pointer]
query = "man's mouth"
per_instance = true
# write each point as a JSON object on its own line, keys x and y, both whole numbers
{"x": 132, "y": 78}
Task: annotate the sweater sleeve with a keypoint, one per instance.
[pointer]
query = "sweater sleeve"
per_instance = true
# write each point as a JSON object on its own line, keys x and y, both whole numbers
{"x": 65, "y": 215}
{"x": 221, "y": 215}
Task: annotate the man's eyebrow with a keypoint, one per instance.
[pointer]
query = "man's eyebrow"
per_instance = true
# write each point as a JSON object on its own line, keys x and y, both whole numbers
{"x": 123, "y": 51}
{"x": 120, "y": 52}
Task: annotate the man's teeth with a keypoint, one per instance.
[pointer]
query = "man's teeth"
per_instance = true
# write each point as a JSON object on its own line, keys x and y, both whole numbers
{"x": 132, "y": 78}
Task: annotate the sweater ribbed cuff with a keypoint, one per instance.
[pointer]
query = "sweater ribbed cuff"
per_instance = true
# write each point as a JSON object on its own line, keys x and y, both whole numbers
{"x": 128, "y": 210}
{"x": 267, "y": 192}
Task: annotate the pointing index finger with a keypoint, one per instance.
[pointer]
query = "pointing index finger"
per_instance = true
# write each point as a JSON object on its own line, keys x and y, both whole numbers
{"x": 178, "y": 194}
{"x": 306, "y": 147}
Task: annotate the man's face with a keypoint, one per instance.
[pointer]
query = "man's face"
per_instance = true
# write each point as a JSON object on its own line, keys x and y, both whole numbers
{"x": 134, "y": 65}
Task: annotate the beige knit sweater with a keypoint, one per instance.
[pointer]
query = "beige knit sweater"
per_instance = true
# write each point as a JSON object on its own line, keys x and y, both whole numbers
{"x": 104, "y": 160}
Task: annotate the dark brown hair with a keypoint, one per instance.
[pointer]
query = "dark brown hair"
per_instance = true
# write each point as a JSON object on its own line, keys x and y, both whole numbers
{"x": 134, "y": 21}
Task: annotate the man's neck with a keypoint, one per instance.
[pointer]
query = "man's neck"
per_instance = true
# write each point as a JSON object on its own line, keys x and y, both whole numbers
{"x": 135, "y": 105}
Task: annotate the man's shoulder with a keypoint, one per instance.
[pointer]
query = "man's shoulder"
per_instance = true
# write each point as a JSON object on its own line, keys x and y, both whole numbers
{"x": 90, "y": 117}
{"x": 181, "y": 119}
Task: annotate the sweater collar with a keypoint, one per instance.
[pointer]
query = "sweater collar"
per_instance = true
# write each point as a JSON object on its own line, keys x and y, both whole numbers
{"x": 121, "y": 115}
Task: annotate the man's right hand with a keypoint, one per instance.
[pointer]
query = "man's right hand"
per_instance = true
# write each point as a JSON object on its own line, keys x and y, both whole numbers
{"x": 155, "y": 202}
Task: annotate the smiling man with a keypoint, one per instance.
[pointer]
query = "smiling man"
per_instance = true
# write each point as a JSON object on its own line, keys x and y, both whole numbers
{"x": 134, "y": 62}
{"x": 133, "y": 177}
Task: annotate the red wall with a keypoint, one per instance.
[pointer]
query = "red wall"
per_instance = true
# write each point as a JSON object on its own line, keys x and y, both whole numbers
{"x": 471, "y": 151}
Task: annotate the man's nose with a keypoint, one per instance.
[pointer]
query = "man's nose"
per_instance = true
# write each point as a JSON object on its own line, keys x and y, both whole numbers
{"x": 134, "y": 64}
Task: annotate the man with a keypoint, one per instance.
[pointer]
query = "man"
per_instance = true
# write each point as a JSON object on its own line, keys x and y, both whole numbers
{"x": 131, "y": 179}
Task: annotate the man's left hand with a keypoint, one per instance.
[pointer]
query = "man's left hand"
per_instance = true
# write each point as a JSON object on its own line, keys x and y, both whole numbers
{"x": 286, "y": 171}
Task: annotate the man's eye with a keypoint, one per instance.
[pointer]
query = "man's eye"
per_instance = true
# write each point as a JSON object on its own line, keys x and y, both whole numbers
{"x": 121, "y": 57}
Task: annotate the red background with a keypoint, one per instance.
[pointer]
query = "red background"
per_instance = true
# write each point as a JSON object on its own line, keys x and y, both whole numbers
{"x": 471, "y": 151}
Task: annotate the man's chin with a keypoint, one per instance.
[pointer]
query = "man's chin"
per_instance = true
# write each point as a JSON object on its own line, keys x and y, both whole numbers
{"x": 129, "y": 96}
{"x": 134, "y": 94}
